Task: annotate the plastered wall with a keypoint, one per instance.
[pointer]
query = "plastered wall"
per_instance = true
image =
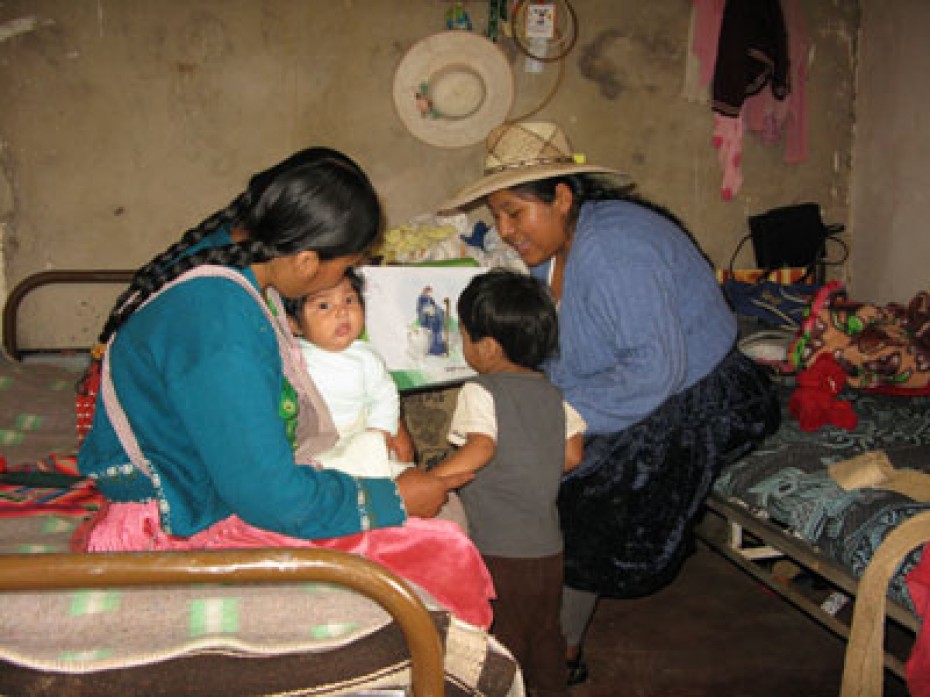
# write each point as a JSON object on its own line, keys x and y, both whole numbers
{"x": 125, "y": 122}
{"x": 891, "y": 182}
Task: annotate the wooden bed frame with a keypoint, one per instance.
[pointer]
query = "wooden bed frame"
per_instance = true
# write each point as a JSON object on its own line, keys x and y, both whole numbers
{"x": 750, "y": 542}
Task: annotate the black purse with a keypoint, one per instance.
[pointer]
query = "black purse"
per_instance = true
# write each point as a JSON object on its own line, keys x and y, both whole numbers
{"x": 793, "y": 236}
{"x": 785, "y": 237}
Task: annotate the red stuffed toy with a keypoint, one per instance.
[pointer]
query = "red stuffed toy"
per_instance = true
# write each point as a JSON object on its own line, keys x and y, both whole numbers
{"x": 814, "y": 403}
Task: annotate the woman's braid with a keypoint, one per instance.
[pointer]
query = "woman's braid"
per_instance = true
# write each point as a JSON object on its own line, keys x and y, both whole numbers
{"x": 166, "y": 266}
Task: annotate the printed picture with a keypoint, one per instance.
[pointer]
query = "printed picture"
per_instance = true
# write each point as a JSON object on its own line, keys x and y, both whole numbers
{"x": 411, "y": 320}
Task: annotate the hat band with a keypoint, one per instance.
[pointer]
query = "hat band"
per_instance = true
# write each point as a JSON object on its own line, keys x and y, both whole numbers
{"x": 565, "y": 160}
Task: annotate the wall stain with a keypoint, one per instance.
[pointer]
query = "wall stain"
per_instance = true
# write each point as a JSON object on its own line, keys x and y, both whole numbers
{"x": 611, "y": 61}
{"x": 15, "y": 27}
{"x": 595, "y": 66}
{"x": 198, "y": 92}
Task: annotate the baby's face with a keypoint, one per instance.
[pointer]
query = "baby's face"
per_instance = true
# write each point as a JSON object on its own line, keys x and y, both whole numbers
{"x": 334, "y": 318}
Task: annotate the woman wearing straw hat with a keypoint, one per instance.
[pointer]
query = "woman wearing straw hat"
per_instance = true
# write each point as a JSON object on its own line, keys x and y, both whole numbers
{"x": 647, "y": 356}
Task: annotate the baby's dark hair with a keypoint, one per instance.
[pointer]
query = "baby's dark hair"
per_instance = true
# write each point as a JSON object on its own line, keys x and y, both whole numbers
{"x": 294, "y": 306}
{"x": 317, "y": 200}
{"x": 514, "y": 309}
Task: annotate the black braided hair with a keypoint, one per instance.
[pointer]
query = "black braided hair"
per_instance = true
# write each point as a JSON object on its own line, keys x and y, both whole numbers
{"x": 153, "y": 275}
{"x": 318, "y": 200}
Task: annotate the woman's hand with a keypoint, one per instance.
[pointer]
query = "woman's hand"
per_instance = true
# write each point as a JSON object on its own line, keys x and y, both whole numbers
{"x": 425, "y": 493}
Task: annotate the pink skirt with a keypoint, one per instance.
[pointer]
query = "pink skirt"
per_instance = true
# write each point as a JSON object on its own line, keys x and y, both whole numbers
{"x": 430, "y": 553}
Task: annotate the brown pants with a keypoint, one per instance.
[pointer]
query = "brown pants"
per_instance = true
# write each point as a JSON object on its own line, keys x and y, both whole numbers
{"x": 526, "y": 619}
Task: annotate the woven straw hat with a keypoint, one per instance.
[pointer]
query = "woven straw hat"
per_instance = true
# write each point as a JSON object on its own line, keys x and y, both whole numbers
{"x": 452, "y": 88}
{"x": 527, "y": 151}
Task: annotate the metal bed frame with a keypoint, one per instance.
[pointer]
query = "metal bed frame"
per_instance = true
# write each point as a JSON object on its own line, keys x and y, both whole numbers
{"x": 278, "y": 565}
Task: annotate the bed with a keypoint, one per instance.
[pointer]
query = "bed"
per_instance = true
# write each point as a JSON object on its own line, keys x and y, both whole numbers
{"x": 243, "y": 622}
{"x": 780, "y": 515}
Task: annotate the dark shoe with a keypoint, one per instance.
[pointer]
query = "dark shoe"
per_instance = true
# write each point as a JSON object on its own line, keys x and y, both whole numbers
{"x": 577, "y": 671}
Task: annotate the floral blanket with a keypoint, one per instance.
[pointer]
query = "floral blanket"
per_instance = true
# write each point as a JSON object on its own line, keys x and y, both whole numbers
{"x": 878, "y": 346}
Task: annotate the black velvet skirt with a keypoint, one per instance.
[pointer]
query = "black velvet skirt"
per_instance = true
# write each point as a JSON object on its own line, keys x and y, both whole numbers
{"x": 629, "y": 509}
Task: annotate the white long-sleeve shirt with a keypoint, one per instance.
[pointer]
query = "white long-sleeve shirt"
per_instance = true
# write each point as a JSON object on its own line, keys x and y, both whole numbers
{"x": 356, "y": 386}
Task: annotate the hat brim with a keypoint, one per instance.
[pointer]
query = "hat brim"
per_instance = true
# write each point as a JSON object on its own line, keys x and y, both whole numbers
{"x": 450, "y": 48}
{"x": 510, "y": 178}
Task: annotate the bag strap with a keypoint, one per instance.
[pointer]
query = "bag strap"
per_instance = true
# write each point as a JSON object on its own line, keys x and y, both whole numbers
{"x": 736, "y": 252}
{"x": 831, "y": 233}
{"x": 768, "y": 271}
{"x": 863, "y": 665}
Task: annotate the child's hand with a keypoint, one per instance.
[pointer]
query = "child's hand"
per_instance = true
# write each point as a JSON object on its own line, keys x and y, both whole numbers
{"x": 454, "y": 481}
{"x": 425, "y": 493}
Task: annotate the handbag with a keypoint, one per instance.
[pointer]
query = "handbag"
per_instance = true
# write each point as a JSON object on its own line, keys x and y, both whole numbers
{"x": 770, "y": 304}
{"x": 792, "y": 236}
{"x": 789, "y": 237}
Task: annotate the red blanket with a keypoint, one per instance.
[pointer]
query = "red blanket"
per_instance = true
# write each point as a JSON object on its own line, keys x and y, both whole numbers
{"x": 918, "y": 665}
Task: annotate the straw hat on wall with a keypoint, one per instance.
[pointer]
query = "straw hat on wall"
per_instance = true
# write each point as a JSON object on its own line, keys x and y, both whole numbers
{"x": 452, "y": 88}
{"x": 528, "y": 151}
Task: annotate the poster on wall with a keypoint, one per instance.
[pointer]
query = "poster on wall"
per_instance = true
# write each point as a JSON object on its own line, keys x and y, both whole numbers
{"x": 411, "y": 320}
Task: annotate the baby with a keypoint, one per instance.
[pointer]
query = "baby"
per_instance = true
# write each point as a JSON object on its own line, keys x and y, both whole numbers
{"x": 353, "y": 380}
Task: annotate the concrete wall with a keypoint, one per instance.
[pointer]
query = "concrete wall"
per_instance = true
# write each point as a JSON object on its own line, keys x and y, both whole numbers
{"x": 125, "y": 122}
{"x": 891, "y": 190}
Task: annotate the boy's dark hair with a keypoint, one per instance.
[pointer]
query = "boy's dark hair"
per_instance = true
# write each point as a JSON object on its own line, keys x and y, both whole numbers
{"x": 514, "y": 309}
{"x": 294, "y": 306}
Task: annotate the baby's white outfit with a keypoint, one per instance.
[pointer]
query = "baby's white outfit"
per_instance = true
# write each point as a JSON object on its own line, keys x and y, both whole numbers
{"x": 361, "y": 395}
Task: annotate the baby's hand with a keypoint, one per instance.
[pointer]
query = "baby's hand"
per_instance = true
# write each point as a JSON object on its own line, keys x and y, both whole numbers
{"x": 400, "y": 446}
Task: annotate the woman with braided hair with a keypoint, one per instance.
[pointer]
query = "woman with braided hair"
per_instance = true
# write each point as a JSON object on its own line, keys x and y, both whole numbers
{"x": 206, "y": 425}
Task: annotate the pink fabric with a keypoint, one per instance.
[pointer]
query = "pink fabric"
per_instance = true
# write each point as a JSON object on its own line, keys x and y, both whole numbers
{"x": 728, "y": 139}
{"x": 917, "y": 668}
{"x": 707, "y": 18}
{"x": 433, "y": 554}
{"x": 773, "y": 121}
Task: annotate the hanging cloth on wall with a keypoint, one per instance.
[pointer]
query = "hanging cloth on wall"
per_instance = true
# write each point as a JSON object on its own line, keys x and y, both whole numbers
{"x": 752, "y": 54}
{"x": 740, "y": 99}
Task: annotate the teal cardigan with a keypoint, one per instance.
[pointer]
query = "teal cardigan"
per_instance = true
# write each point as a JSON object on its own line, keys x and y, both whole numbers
{"x": 198, "y": 373}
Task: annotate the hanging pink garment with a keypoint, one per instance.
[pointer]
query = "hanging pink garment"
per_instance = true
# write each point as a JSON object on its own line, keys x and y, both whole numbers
{"x": 770, "y": 119}
{"x": 707, "y": 17}
{"x": 728, "y": 139}
{"x": 785, "y": 121}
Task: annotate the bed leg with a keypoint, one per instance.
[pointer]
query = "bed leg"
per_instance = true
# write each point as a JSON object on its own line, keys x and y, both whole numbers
{"x": 736, "y": 542}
